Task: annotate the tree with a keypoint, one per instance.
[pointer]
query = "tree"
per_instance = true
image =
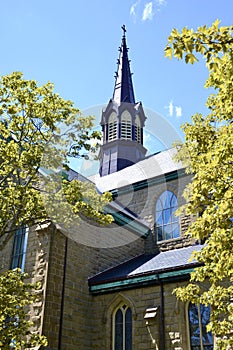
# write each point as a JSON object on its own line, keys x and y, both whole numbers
{"x": 15, "y": 327}
{"x": 208, "y": 153}
{"x": 39, "y": 130}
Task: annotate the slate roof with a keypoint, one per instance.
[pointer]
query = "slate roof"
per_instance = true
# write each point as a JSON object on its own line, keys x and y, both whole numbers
{"x": 119, "y": 208}
{"x": 122, "y": 215}
{"x": 151, "y": 167}
{"x": 147, "y": 264}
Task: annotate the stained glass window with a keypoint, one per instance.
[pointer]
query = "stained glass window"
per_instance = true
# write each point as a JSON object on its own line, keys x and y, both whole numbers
{"x": 166, "y": 223}
{"x": 199, "y": 316}
{"x": 122, "y": 328}
{"x": 19, "y": 248}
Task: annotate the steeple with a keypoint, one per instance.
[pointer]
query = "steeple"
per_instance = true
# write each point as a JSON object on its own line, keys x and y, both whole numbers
{"x": 122, "y": 121}
{"x": 123, "y": 89}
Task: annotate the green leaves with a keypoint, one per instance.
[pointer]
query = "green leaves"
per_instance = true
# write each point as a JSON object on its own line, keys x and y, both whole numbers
{"x": 168, "y": 52}
{"x": 15, "y": 296}
{"x": 38, "y": 128}
{"x": 190, "y": 58}
{"x": 208, "y": 153}
{"x": 210, "y": 42}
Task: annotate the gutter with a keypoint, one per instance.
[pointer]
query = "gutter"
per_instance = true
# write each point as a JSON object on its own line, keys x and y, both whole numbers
{"x": 140, "y": 280}
{"x": 162, "y": 317}
{"x": 133, "y": 224}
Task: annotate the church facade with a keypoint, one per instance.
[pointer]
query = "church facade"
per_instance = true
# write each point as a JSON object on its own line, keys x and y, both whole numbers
{"x": 111, "y": 288}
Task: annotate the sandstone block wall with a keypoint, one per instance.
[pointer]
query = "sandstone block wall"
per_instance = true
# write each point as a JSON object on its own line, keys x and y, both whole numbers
{"x": 143, "y": 202}
{"x": 67, "y": 313}
{"x": 83, "y": 262}
{"x": 6, "y": 246}
{"x": 144, "y": 338}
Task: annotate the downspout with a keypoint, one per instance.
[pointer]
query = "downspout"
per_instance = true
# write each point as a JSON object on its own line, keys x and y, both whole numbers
{"x": 62, "y": 297}
{"x": 162, "y": 317}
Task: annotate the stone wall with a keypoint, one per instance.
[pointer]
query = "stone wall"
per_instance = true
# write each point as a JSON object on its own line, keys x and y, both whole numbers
{"x": 73, "y": 318}
{"x": 6, "y": 246}
{"x": 36, "y": 266}
{"x": 69, "y": 305}
{"x": 67, "y": 313}
{"x": 54, "y": 288}
{"x": 144, "y": 337}
{"x": 142, "y": 202}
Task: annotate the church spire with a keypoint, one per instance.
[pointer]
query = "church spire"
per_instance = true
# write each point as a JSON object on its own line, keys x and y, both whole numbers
{"x": 123, "y": 89}
{"x": 122, "y": 122}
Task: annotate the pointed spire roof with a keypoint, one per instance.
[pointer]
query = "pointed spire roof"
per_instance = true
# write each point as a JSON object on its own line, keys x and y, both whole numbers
{"x": 123, "y": 89}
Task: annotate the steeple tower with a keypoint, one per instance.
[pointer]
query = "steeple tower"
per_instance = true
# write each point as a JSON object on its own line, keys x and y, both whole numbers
{"x": 123, "y": 89}
{"x": 122, "y": 121}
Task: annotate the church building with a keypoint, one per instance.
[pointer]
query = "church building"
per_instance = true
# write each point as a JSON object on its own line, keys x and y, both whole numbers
{"x": 111, "y": 287}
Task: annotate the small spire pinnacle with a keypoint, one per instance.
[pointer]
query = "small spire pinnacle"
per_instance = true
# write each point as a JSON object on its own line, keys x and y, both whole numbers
{"x": 124, "y": 30}
{"x": 123, "y": 89}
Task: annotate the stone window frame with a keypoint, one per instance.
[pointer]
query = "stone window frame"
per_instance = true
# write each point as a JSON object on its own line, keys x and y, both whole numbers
{"x": 174, "y": 222}
{"x": 19, "y": 249}
{"x": 201, "y": 346}
{"x": 107, "y": 317}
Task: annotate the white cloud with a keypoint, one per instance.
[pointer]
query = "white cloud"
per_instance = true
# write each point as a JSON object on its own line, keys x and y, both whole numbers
{"x": 174, "y": 110}
{"x": 132, "y": 10}
{"x": 170, "y": 108}
{"x": 161, "y": 2}
{"x": 178, "y": 111}
{"x": 148, "y": 11}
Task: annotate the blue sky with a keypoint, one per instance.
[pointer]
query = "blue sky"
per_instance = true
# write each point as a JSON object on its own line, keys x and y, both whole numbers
{"x": 74, "y": 44}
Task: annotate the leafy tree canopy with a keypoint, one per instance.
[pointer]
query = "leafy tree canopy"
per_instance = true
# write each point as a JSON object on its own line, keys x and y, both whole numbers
{"x": 15, "y": 328}
{"x": 208, "y": 153}
{"x": 38, "y": 131}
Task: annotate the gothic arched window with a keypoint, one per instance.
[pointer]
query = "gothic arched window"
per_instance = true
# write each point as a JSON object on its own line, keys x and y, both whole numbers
{"x": 112, "y": 127}
{"x": 122, "y": 328}
{"x": 137, "y": 129}
{"x": 126, "y": 126}
{"x": 198, "y": 318}
{"x": 166, "y": 223}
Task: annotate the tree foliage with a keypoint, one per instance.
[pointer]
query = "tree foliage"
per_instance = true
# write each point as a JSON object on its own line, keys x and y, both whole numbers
{"x": 15, "y": 327}
{"x": 38, "y": 131}
{"x": 208, "y": 152}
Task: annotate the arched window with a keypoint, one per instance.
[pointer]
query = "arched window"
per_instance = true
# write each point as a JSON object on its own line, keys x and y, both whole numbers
{"x": 137, "y": 129}
{"x": 122, "y": 328}
{"x": 19, "y": 248}
{"x": 126, "y": 126}
{"x": 166, "y": 223}
{"x": 112, "y": 127}
{"x": 198, "y": 318}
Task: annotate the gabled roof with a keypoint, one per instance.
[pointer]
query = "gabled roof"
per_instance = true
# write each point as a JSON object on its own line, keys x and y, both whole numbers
{"x": 122, "y": 215}
{"x": 145, "y": 269}
{"x": 153, "y": 166}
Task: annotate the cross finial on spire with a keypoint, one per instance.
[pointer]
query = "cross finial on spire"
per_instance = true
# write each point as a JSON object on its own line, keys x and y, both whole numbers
{"x": 123, "y": 89}
{"x": 124, "y": 29}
